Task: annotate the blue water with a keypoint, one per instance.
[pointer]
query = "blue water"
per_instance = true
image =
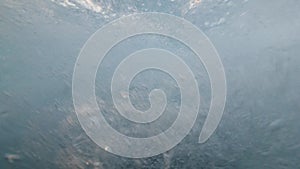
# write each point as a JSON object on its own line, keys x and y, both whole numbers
{"x": 258, "y": 42}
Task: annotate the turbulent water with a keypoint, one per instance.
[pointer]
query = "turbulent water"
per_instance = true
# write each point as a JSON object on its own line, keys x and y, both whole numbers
{"x": 258, "y": 42}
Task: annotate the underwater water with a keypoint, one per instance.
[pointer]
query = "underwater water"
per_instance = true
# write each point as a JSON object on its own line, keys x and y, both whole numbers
{"x": 257, "y": 40}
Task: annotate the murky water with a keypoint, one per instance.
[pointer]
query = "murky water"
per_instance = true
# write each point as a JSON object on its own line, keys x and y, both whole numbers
{"x": 258, "y": 42}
